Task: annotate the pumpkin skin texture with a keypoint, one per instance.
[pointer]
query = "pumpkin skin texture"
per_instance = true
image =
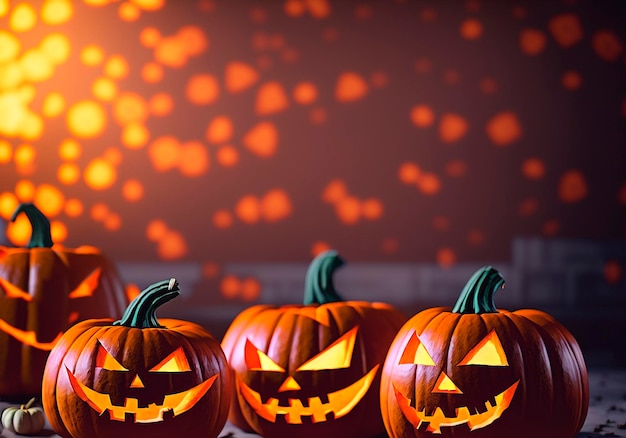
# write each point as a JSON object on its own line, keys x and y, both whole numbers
{"x": 43, "y": 290}
{"x": 476, "y": 371}
{"x": 139, "y": 376}
{"x": 311, "y": 370}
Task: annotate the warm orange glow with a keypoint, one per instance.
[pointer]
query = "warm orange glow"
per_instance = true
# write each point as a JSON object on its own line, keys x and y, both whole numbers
{"x": 19, "y": 231}
{"x": 319, "y": 247}
{"x": 533, "y": 168}
{"x": 532, "y": 41}
{"x": 239, "y": 76}
{"x": 572, "y": 186}
{"x": 409, "y": 173}
{"x": 128, "y": 11}
{"x": 69, "y": 149}
{"x": 227, "y": 156}
{"x": 86, "y": 119}
{"x": 149, "y": 5}
{"x": 452, "y": 127}
{"x": 271, "y": 98}
{"x": 194, "y": 159}
{"x": 429, "y": 183}
{"x": 220, "y": 130}
{"x": 172, "y": 246}
{"x": 422, "y": 116}
{"x": 24, "y": 158}
{"x": 25, "y": 190}
{"x": 372, "y": 209}
{"x": 100, "y": 174}
{"x": 503, "y": 128}
{"x": 445, "y": 257}
{"x": 305, "y": 93}
{"x": 210, "y": 269}
{"x": 53, "y": 105}
{"x": 92, "y": 55}
{"x": 318, "y": 8}
{"x": 451, "y": 77}
{"x": 550, "y": 228}
{"x": 155, "y": 230}
{"x": 571, "y": 80}
{"x": 11, "y": 76}
{"x": 56, "y": 47}
{"x": 73, "y": 207}
{"x": 58, "y": 231}
{"x": 607, "y": 45}
{"x": 169, "y": 51}
{"x": 31, "y": 126}
{"x": 161, "y": 104}
{"x": 36, "y": 67}
{"x": 112, "y": 222}
{"x": 132, "y": 190}
{"x": 164, "y": 153}
{"x": 262, "y": 139}
{"x": 294, "y": 8}
{"x": 428, "y": 14}
{"x": 612, "y": 271}
{"x": 471, "y": 29}
{"x": 135, "y": 135}
{"x": 202, "y": 89}
{"x": 23, "y": 18}
{"x": 68, "y": 173}
{"x": 222, "y": 219}
{"x": 99, "y": 211}
{"x": 250, "y": 289}
{"x": 334, "y": 191}
{"x": 55, "y": 12}
{"x": 348, "y": 210}
{"x": 8, "y": 204}
{"x": 248, "y": 209}
{"x": 6, "y": 152}
{"x": 350, "y": 87}
{"x": 275, "y": 205}
{"x": 104, "y": 89}
{"x": 152, "y": 72}
{"x": 528, "y": 206}
{"x": 149, "y": 37}
{"x": 230, "y": 286}
{"x": 318, "y": 116}
{"x": 132, "y": 291}
{"x": 49, "y": 200}
{"x": 456, "y": 168}
{"x": 113, "y": 156}
{"x": 566, "y": 29}
{"x": 10, "y": 47}
{"x": 116, "y": 67}
{"x": 130, "y": 107}
{"x": 193, "y": 40}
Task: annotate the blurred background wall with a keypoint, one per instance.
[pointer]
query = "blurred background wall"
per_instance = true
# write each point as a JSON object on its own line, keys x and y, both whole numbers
{"x": 228, "y": 142}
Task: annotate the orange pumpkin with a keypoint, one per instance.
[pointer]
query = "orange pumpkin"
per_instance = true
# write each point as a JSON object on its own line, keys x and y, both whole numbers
{"x": 43, "y": 290}
{"x": 311, "y": 370}
{"x": 476, "y": 371}
{"x": 137, "y": 377}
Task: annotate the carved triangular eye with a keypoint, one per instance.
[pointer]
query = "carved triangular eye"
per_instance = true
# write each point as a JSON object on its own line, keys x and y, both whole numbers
{"x": 488, "y": 352}
{"x": 415, "y": 353}
{"x": 13, "y": 291}
{"x": 256, "y": 360}
{"x": 106, "y": 361}
{"x": 337, "y": 355}
{"x": 88, "y": 285}
{"x": 175, "y": 362}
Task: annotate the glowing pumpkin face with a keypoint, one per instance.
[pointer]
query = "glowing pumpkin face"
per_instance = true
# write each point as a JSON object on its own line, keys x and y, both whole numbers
{"x": 312, "y": 369}
{"x": 43, "y": 290}
{"x": 137, "y": 376}
{"x": 475, "y": 371}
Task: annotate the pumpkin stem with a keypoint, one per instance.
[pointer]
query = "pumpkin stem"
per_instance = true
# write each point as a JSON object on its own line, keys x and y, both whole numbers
{"x": 318, "y": 284}
{"x": 477, "y": 295}
{"x": 28, "y": 405}
{"x": 40, "y": 236}
{"x": 141, "y": 312}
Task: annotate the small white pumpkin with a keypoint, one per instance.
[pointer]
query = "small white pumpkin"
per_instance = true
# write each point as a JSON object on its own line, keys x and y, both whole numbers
{"x": 25, "y": 420}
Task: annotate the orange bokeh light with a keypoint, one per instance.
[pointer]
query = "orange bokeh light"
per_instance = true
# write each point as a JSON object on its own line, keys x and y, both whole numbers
{"x": 149, "y": 5}
{"x": 334, "y": 191}
{"x": 409, "y": 173}
{"x": 533, "y": 168}
{"x": 452, "y": 127}
{"x": 319, "y": 247}
{"x": 572, "y": 186}
{"x": 132, "y": 190}
{"x": 446, "y": 257}
{"x": 92, "y": 55}
{"x": 612, "y": 271}
{"x": 128, "y": 11}
{"x": 230, "y": 286}
{"x": 100, "y": 174}
{"x": 152, "y": 72}
{"x": 18, "y": 232}
{"x": 276, "y": 205}
{"x": 23, "y": 18}
{"x": 112, "y": 222}
{"x": 220, "y": 130}
{"x": 104, "y": 89}
{"x": 25, "y": 190}
{"x": 532, "y": 41}
{"x": 227, "y": 156}
{"x": 222, "y": 219}
{"x": 422, "y": 116}
{"x": 155, "y": 230}
{"x": 6, "y": 152}
{"x": 194, "y": 159}
{"x": 350, "y": 87}
{"x": 68, "y": 173}
{"x": 239, "y": 76}
{"x": 8, "y": 204}
{"x": 528, "y": 206}
{"x": 271, "y": 98}
{"x": 161, "y": 104}
{"x": 250, "y": 289}
{"x": 171, "y": 246}
{"x": 372, "y": 209}
{"x": 10, "y": 46}
{"x": 164, "y": 153}
{"x": 149, "y": 36}
{"x": 348, "y": 210}
{"x": 49, "y": 200}
{"x": 566, "y": 29}
{"x": 24, "y": 158}
{"x": 210, "y": 269}
{"x": 248, "y": 209}
{"x": 116, "y": 67}
{"x": 456, "y": 168}
{"x": 56, "y": 47}
{"x": 305, "y": 93}
{"x": 504, "y": 128}
{"x": 429, "y": 183}
{"x": 53, "y": 105}
{"x": 607, "y": 45}
{"x": 130, "y": 107}
{"x": 135, "y": 135}
{"x": 262, "y": 139}
{"x": 571, "y": 80}
{"x": 202, "y": 89}
{"x": 471, "y": 29}
{"x": 73, "y": 207}
{"x": 54, "y": 12}
{"x": 69, "y": 149}
{"x": 193, "y": 40}
{"x": 58, "y": 231}
{"x": 86, "y": 119}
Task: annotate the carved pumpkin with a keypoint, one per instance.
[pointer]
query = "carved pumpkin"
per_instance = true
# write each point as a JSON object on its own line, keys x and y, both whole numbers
{"x": 138, "y": 376}
{"x": 43, "y": 290}
{"x": 311, "y": 370}
{"x": 476, "y": 371}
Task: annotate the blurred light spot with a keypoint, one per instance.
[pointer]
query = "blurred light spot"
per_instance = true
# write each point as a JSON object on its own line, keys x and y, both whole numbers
{"x": 210, "y": 269}
{"x": 239, "y": 76}
{"x": 409, "y": 173}
{"x": 550, "y": 228}
{"x": 230, "y": 286}
{"x": 116, "y": 67}
{"x": 23, "y": 18}
{"x": 149, "y": 37}
{"x": 155, "y": 230}
{"x": 152, "y": 72}
{"x": 132, "y": 291}
{"x": 86, "y": 119}
{"x": 248, "y": 209}
{"x": 621, "y": 195}
{"x": 318, "y": 8}
{"x": 24, "y": 158}
{"x": 305, "y": 93}
{"x": 56, "y": 11}
{"x": 164, "y": 153}
{"x": 276, "y": 42}
{"x": 6, "y": 151}
{"x": 31, "y": 126}
{"x": 4, "y": 7}
{"x": 372, "y": 209}
{"x": 441, "y": 223}
{"x": 68, "y": 173}
{"x": 161, "y": 104}
{"x": 533, "y": 168}
{"x": 350, "y": 87}
{"x": 334, "y": 191}
{"x": 73, "y": 207}
{"x": 571, "y": 80}
{"x": 69, "y": 149}
{"x": 10, "y": 75}
{"x": 271, "y": 98}
{"x": 452, "y": 127}
{"x": 149, "y": 5}
{"x": 422, "y": 116}
{"x": 566, "y": 29}
{"x": 36, "y": 67}
{"x": 456, "y": 168}
{"x": 532, "y": 41}
{"x": 262, "y": 139}
{"x": 275, "y": 205}
{"x": 476, "y": 237}
{"x": 135, "y": 135}
{"x": 99, "y": 211}
{"x": 572, "y": 186}
{"x": 49, "y": 199}
{"x": 58, "y": 231}
{"x": 488, "y": 85}
{"x": 53, "y": 105}
{"x": 220, "y": 130}
{"x": 132, "y": 190}
{"x": 92, "y": 55}
{"x": 445, "y": 257}
{"x": 318, "y": 115}
{"x": 128, "y": 11}
{"x": 104, "y": 89}
{"x": 612, "y": 271}
{"x": 194, "y": 159}
{"x": 222, "y": 219}
{"x": 607, "y": 45}
{"x": 471, "y": 29}
{"x": 25, "y": 190}
{"x": 193, "y": 40}
{"x": 171, "y": 246}
{"x": 18, "y": 232}
{"x": 503, "y": 128}
{"x": 113, "y": 156}
{"x": 170, "y": 52}
{"x": 389, "y": 245}
{"x": 227, "y": 156}
{"x": 250, "y": 289}
{"x": 294, "y": 8}
{"x": 528, "y": 207}
{"x": 202, "y": 89}
{"x": 429, "y": 183}
{"x": 289, "y": 55}
{"x": 8, "y": 204}
{"x": 348, "y": 210}
{"x": 130, "y": 107}
{"x": 112, "y": 222}
{"x": 99, "y": 174}
{"x": 319, "y": 247}
{"x": 10, "y": 46}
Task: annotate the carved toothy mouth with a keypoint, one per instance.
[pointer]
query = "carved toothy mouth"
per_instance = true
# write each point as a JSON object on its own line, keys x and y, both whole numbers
{"x": 339, "y": 402}
{"x": 463, "y": 415}
{"x": 173, "y": 404}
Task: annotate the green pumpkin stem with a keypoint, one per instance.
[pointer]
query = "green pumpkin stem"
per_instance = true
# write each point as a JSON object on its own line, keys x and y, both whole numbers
{"x": 141, "y": 312}
{"x": 40, "y": 236}
{"x": 477, "y": 295}
{"x": 318, "y": 284}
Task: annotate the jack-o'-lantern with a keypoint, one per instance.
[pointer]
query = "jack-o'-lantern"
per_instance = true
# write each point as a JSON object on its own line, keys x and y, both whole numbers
{"x": 138, "y": 376}
{"x": 43, "y": 290}
{"x": 476, "y": 371}
{"x": 311, "y": 370}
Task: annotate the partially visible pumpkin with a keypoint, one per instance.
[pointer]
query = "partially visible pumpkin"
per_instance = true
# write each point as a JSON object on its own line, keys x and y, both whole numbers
{"x": 137, "y": 377}
{"x": 25, "y": 419}
{"x": 311, "y": 370}
{"x": 474, "y": 371}
{"x": 44, "y": 288}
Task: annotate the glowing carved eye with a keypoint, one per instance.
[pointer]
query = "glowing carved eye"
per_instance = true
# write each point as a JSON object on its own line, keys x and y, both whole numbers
{"x": 88, "y": 285}
{"x": 337, "y": 355}
{"x": 415, "y": 353}
{"x": 105, "y": 361}
{"x": 256, "y": 360}
{"x": 489, "y": 352}
{"x": 176, "y": 362}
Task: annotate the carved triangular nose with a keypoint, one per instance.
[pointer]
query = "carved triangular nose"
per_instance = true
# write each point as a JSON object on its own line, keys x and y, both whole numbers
{"x": 136, "y": 383}
{"x": 445, "y": 385}
{"x": 289, "y": 384}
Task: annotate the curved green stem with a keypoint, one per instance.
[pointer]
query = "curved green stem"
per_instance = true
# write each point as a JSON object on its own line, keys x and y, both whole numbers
{"x": 318, "y": 284}
{"x": 141, "y": 312}
{"x": 41, "y": 236}
{"x": 477, "y": 295}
